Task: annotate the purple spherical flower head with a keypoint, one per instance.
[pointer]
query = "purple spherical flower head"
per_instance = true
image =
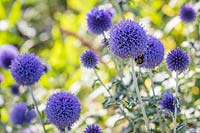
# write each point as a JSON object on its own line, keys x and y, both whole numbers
{"x": 26, "y": 69}
{"x": 128, "y": 39}
{"x": 14, "y": 89}
{"x": 63, "y": 110}
{"x": 89, "y": 59}
{"x": 93, "y": 129}
{"x": 187, "y": 13}
{"x": 7, "y": 54}
{"x": 20, "y": 114}
{"x": 168, "y": 102}
{"x": 177, "y": 60}
{"x": 99, "y": 20}
{"x": 154, "y": 53}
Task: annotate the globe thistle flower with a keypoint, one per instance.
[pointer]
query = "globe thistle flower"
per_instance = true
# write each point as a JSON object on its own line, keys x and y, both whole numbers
{"x": 177, "y": 60}
{"x": 127, "y": 39}
{"x": 26, "y": 69}
{"x": 168, "y": 102}
{"x": 63, "y": 110}
{"x": 20, "y": 114}
{"x": 154, "y": 53}
{"x": 187, "y": 13}
{"x": 93, "y": 129}
{"x": 7, "y": 54}
{"x": 89, "y": 59}
{"x": 14, "y": 89}
{"x": 99, "y": 20}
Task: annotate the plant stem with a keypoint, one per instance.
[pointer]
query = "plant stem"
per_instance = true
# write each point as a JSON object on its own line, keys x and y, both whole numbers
{"x": 154, "y": 99}
{"x": 36, "y": 105}
{"x": 123, "y": 112}
{"x": 139, "y": 97}
{"x": 176, "y": 94}
{"x": 118, "y": 9}
{"x": 98, "y": 77}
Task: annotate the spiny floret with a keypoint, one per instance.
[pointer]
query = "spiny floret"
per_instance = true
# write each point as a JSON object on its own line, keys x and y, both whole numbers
{"x": 168, "y": 102}
{"x": 154, "y": 54}
{"x": 26, "y": 69}
{"x": 63, "y": 110}
{"x": 99, "y": 20}
{"x": 93, "y": 129}
{"x": 20, "y": 114}
{"x": 127, "y": 39}
{"x": 187, "y": 13}
{"x": 89, "y": 59}
{"x": 7, "y": 54}
{"x": 177, "y": 60}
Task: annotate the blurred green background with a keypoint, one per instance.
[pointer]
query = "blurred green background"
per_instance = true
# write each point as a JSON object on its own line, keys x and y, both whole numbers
{"x": 56, "y": 31}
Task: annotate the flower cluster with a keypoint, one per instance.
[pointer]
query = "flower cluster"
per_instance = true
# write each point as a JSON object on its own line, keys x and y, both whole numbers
{"x": 26, "y": 69}
{"x": 99, "y": 20}
{"x": 168, "y": 102}
{"x": 20, "y": 114}
{"x": 89, "y": 59}
{"x": 177, "y": 60}
{"x": 63, "y": 109}
{"x": 187, "y": 13}
{"x": 7, "y": 54}
{"x": 127, "y": 39}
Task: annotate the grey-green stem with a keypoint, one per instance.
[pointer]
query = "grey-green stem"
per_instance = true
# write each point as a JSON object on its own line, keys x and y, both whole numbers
{"x": 37, "y": 109}
{"x": 139, "y": 97}
{"x": 98, "y": 77}
{"x": 102, "y": 82}
{"x": 154, "y": 99}
{"x": 176, "y": 95}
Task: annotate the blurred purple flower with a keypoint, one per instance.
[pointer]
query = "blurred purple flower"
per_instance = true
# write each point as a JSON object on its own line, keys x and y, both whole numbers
{"x": 14, "y": 89}
{"x": 168, "y": 102}
{"x": 187, "y": 13}
{"x": 7, "y": 54}
{"x": 20, "y": 114}
{"x": 26, "y": 69}
{"x": 128, "y": 39}
{"x": 177, "y": 60}
{"x": 63, "y": 109}
{"x": 89, "y": 59}
{"x": 99, "y": 20}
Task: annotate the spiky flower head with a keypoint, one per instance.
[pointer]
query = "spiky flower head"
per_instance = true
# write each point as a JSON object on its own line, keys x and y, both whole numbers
{"x": 154, "y": 54}
{"x": 7, "y": 54}
{"x": 127, "y": 39}
{"x": 99, "y": 20}
{"x": 89, "y": 59}
{"x": 14, "y": 89}
{"x": 63, "y": 110}
{"x": 177, "y": 60}
{"x": 93, "y": 129}
{"x": 20, "y": 114}
{"x": 26, "y": 69}
{"x": 168, "y": 102}
{"x": 187, "y": 13}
